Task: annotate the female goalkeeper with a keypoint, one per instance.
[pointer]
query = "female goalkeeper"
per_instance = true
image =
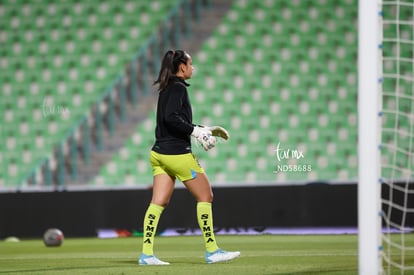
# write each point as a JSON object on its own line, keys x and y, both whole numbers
{"x": 171, "y": 157}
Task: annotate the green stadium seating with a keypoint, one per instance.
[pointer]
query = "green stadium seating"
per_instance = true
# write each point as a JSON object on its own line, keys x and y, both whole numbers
{"x": 273, "y": 73}
{"x": 61, "y": 55}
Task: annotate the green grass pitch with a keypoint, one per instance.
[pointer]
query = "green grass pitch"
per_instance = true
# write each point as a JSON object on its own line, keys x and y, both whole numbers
{"x": 267, "y": 254}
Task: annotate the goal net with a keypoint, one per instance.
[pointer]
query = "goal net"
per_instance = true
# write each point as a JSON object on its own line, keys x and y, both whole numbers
{"x": 397, "y": 135}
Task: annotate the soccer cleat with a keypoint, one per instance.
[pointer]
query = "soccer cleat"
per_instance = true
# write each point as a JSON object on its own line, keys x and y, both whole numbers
{"x": 220, "y": 256}
{"x": 150, "y": 260}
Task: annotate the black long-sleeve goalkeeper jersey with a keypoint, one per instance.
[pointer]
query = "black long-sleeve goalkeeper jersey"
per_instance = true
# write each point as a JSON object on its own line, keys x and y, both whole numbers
{"x": 174, "y": 119}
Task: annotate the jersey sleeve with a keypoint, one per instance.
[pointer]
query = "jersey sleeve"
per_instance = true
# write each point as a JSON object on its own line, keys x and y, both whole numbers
{"x": 173, "y": 116}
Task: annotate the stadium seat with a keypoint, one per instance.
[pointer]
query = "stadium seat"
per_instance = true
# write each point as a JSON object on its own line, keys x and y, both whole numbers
{"x": 273, "y": 73}
{"x": 68, "y": 53}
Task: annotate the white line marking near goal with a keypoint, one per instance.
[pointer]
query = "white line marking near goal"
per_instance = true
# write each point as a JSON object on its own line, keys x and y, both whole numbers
{"x": 34, "y": 257}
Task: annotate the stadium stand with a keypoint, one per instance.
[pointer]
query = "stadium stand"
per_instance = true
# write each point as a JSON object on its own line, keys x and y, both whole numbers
{"x": 56, "y": 59}
{"x": 273, "y": 73}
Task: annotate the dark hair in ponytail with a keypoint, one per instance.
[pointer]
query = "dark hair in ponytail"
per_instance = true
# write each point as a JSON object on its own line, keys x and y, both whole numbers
{"x": 169, "y": 66}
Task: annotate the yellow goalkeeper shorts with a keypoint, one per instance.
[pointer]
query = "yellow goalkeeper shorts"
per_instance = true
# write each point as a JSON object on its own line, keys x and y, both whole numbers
{"x": 183, "y": 166}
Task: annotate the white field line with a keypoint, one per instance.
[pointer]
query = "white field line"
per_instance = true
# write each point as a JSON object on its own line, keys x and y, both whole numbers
{"x": 103, "y": 256}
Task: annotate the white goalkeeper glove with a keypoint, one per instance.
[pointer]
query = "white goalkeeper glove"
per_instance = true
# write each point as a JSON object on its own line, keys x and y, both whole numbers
{"x": 219, "y": 131}
{"x": 204, "y": 137}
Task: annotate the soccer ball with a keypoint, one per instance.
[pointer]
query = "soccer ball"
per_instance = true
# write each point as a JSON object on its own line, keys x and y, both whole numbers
{"x": 53, "y": 237}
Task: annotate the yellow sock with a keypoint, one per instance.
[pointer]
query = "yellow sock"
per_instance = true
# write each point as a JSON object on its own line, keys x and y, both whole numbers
{"x": 152, "y": 216}
{"x": 205, "y": 221}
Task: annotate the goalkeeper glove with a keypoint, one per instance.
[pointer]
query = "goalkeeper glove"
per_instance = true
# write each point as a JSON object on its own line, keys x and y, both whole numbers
{"x": 219, "y": 131}
{"x": 204, "y": 137}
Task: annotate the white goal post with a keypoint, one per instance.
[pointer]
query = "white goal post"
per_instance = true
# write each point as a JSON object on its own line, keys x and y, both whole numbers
{"x": 386, "y": 136}
{"x": 369, "y": 137}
